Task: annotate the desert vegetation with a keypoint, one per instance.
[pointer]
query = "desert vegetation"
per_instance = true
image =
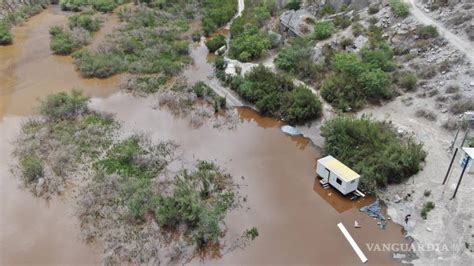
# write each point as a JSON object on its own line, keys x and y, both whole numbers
{"x": 372, "y": 149}
{"x": 276, "y": 95}
{"x": 399, "y": 8}
{"x": 15, "y": 17}
{"x": 99, "y": 5}
{"x": 247, "y": 40}
{"x": 129, "y": 188}
{"x": 358, "y": 78}
{"x": 56, "y": 145}
{"x": 78, "y": 33}
{"x": 217, "y": 13}
{"x": 215, "y": 43}
{"x": 161, "y": 49}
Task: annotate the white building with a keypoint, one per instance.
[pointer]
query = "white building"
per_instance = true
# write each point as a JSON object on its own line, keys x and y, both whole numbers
{"x": 337, "y": 174}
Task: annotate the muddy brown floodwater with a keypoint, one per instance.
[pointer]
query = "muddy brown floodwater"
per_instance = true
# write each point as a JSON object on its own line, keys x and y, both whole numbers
{"x": 29, "y": 70}
{"x": 296, "y": 219}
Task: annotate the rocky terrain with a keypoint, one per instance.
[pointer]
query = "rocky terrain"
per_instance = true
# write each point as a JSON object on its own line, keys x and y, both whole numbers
{"x": 456, "y": 15}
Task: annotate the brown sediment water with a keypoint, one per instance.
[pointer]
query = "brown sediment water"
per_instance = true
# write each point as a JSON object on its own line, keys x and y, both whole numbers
{"x": 32, "y": 230}
{"x": 29, "y": 70}
{"x": 296, "y": 218}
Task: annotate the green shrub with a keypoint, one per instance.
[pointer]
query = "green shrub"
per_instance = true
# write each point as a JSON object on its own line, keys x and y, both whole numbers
{"x": 249, "y": 45}
{"x": 399, "y": 8}
{"x": 427, "y": 32}
{"x": 342, "y": 22}
{"x": 372, "y": 149}
{"x": 215, "y": 43}
{"x": 427, "y": 207}
{"x": 199, "y": 201}
{"x": 301, "y": 106}
{"x": 219, "y": 103}
{"x": 356, "y": 80}
{"x": 276, "y": 95}
{"x": 100, "y": 65}
{"x": 202, "y": 90}
{"x": 217, "y": 13}
{"x": 326, "y": 10}
{"x": 373, "y": 9}
{"x": 62, "y": 105}
{"x": 297, "y": 60}
{"x": 427, "y": 193}
{"x": 31, "y": 168}
{"x": 251, "y": 233}
{"x": 85, "y": 21}
{"x": 357, "y": 29}
{"x": 196, "y": 36}
{"x": 72, "y": 5}
{"x": 470, "y": 142}
{"x": 323, "y": 30}
{"x": 5, "y": 35}
{"x": 104, "y": 5}
{"x": 63, "y": 42}
{"x": 294, "y": 5}
{"x": 408, "y": 81}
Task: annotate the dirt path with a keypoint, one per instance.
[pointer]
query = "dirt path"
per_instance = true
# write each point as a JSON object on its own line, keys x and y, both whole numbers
{"x": 463, "y": 45}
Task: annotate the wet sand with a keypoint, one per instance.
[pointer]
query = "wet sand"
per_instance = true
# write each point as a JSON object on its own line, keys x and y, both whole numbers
{"x": 29, "y": 70}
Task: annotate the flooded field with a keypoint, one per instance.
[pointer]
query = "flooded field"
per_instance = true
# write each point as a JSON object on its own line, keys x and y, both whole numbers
{"x": 296, "y": 218}
{"x": 29, "y": 70}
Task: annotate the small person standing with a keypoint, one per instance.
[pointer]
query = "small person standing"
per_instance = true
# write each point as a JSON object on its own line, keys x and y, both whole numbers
{"x": 407, "y": 218}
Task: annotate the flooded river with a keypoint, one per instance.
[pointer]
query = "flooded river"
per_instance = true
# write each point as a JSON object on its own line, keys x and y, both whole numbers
{"x": 296, "y": 218}
{"x": 29, "y": 70}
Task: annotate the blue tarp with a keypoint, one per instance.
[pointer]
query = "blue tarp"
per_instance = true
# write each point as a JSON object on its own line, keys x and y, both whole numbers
{"x": 293, "y": 131}
{"x": 375, "y": 210}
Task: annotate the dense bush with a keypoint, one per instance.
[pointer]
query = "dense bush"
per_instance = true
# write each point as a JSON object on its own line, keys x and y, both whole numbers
{"x": 159, "y": 49}
{"x": 104, "y": 5}
{"x": 31, "y": 168}
{"x": 200, "y": 201}
{"x": 249, "y": 45}
{"x": 399, "y": 8}
{"x": 64, "y": 42}
{"x": 72, "y": 5}
{"x": 85, "y": 21}
{"x": 276, "y": 95}
{"x": 323, "y": 30}
{"x": 408, "y": 81}
{"x": 357, "y": 79}
{"x": 427, "y": 207}
{"x": 5, "y": 35}
{"x": 100, "y": 65}
{"x": 62, "y": 105}
{"x": 247, "y": 40}
{"x": 215, "y": 43}
{"x": 427, "y": 32}
{"x": 202, "y": 90}
{"x": 217, "y": 13}
{"x": 297, "y": 60}
{"x": 373, "y": 150}
{"x": 326, "y": 10}
{"x": 294, "y": 5}
{"x": 373, "y": 9}
{"x": 99, "y": 5}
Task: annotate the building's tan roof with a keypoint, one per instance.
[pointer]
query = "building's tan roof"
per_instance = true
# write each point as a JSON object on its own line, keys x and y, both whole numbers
{"x": 344, "y": 172}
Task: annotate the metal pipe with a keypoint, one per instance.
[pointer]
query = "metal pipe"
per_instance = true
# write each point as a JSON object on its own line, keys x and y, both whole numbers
{"x": 450, "y": 165}
{"x": 460, "y": 178}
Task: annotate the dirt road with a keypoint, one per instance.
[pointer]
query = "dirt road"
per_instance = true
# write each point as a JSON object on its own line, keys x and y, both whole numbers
{"x": 463, "y": 45}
